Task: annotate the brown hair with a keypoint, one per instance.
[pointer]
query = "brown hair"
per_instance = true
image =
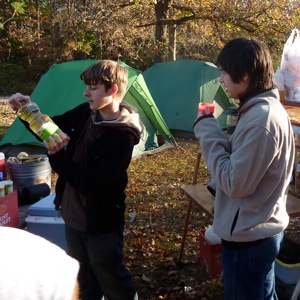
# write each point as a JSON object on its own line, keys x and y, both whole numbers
{"x": 242, "y": 56}
{"x": 106, "y": 72}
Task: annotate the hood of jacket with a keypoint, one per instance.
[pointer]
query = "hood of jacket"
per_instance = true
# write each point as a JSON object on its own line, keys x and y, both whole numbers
{"x": 129, "y": 120}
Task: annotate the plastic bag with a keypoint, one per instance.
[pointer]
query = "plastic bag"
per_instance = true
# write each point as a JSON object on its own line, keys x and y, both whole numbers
{"x": 211, "y": 236}
{"x": 291, "y": 53}
{"x": 290, "y": 64}
{"x": 278, "y": 79}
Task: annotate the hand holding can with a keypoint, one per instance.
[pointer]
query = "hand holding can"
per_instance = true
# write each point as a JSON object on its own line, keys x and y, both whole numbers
{"x": 205, "y": 108}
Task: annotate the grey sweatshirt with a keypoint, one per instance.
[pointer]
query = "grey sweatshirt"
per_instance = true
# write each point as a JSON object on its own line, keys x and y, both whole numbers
{"x": 251, "y": 170}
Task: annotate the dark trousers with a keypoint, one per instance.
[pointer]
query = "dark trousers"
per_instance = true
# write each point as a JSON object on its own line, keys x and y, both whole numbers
{"x": 102, "y": 270}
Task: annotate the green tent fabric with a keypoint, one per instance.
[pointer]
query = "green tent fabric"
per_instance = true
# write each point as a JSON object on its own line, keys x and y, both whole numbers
{"x": 178, "y": 87}
{"x": 61, "y": 89}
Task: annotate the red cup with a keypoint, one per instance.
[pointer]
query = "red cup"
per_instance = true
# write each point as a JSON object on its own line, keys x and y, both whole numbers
{"x": 206, "y": 108}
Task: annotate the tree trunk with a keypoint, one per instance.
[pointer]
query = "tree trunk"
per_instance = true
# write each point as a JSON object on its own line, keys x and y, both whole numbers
{"x": 161, "y": 9}
{"x": 172, "y": 42}
{"x": 38, "y": 21}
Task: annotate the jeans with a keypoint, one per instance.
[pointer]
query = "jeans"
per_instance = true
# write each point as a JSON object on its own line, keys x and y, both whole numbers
{"x": 102, "y": 270}
{"x": 249, "y": 270}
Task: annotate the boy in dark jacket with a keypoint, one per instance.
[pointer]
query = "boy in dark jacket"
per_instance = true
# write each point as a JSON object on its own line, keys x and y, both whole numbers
{"x": 91, "y": 157}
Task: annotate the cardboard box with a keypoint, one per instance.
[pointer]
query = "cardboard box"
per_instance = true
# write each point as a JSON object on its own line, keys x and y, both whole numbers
{"x": 9, "y": 210}
{"x": 211, "y": 255}
{"x": 287, "y": 273}
{"x": 44, "y": 220}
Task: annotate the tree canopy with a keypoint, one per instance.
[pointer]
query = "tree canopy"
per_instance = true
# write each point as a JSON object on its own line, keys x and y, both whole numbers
{"x": 34, "y": 34}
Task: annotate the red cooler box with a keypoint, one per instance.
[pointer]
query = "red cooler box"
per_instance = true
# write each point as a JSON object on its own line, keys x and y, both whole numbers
{"x": 44, "y": 220}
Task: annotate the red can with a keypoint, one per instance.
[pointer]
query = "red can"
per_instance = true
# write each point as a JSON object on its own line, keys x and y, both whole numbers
{"x": 205, "y": 107}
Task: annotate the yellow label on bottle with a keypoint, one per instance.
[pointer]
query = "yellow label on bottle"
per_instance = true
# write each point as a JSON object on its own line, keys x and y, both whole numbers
{"x": 28, "y": 112}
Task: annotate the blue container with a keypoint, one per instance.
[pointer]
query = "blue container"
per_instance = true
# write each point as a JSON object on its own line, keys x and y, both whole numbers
{"x": 44, "y": 220}
{"x": 45, "y": 207}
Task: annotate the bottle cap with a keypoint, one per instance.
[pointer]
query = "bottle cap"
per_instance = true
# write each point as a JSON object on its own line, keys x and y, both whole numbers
{"x": 2, "y": 156}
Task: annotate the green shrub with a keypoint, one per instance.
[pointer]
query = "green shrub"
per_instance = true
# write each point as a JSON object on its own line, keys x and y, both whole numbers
{"x": 14, "y": 78}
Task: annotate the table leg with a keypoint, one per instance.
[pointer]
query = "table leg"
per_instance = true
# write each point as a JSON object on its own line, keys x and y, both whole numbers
{"x": 186, "y": 223}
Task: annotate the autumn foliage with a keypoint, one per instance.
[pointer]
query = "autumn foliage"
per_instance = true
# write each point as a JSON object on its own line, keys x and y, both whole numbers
{"x": 37, "y": 34}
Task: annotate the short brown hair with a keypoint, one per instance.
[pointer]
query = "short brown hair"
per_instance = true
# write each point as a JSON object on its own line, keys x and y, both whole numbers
{"x": 106, "y": 72}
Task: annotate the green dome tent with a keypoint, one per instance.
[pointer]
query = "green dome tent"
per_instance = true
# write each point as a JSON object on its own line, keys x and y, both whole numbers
{"x": 178, "y": 87}
{"x": 61, "y": 89}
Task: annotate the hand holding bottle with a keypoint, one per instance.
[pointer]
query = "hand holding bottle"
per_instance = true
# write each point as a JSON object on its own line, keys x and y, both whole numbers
{"x": 41, "y": 124}
{"x": 17, "y": 100}
{"x": 57, "y": 142}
